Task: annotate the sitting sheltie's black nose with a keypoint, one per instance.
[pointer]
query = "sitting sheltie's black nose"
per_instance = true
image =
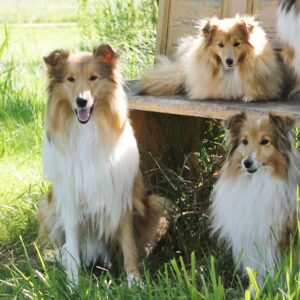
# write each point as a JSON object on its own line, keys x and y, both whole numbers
{"x": 248, "y": 163}
{"x": 81, "y": 102}
{"x": 229, "y": 62}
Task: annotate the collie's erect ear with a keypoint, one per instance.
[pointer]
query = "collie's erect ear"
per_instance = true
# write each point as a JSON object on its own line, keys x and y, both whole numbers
{"x": 55, "y": 57}
{"x": 235, "y": 123}
{"x": 284, "y": 123}
{"x": 107, "y": 54}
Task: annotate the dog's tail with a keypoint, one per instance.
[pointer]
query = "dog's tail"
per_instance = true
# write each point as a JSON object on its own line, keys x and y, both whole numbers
{"x": 150, "y": 218}
{"x": 165, "y": 79}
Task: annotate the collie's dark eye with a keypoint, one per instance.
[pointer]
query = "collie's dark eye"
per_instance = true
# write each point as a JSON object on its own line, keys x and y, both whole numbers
{"x": 93, "y": 77}
{"x": 71, "y": 79}
{"x": 236, "y": 44}
{"x": 221, "y": 45}
{"x": 245, "y": 141}
{"x": 264, "y": 142}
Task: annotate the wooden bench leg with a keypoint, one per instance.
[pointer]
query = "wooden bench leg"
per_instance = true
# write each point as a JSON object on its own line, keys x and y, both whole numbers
{"x": 168, "y": 138}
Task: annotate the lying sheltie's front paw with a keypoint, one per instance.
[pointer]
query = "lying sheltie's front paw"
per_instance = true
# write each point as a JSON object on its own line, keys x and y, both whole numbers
{"x": 247, "y": 99}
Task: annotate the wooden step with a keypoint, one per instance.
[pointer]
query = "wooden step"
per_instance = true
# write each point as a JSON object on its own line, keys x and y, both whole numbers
{"x": 217, "y": 109}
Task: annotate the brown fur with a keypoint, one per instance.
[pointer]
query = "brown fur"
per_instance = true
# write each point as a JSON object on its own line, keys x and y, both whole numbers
{"x": 274, "y": 128}
{"x": 61, "y": 65}
{"x": 290, "y": 54}
{"x": 200, "y": 68}
{"x": 289, "y": 231}
{"x": 97, "y": 73}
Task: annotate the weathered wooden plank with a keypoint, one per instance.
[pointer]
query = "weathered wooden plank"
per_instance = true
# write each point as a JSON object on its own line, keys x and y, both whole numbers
{"x": 266, "y": 10}
{"x": 218, "y": 109}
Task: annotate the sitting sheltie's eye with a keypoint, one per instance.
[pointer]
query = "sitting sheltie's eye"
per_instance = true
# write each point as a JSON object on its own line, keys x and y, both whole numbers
{"x": 221, "y": 45}
{"x": 245, "y": 141}
{"x": 264, "y": 142}
{"x": 236, "y": 44}
{"x": 93, "y": 77}
{"x": 71, "y": 79}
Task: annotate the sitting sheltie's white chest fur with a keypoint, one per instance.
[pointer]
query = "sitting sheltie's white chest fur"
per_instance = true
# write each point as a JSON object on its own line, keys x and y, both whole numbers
{"x": 92, "y": 181}
{"x": 249, "y": 213}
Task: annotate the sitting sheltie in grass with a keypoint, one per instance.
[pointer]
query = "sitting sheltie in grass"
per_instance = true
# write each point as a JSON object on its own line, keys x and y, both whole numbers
{"x": 254, "y": 207}
{"x": 229, "y": 59}
{"x": 91, "y": 158}
{"x": 288, "y": 27}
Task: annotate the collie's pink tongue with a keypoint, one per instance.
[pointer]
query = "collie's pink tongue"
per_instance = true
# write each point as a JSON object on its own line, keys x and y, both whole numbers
{"x": 83, "y": 114}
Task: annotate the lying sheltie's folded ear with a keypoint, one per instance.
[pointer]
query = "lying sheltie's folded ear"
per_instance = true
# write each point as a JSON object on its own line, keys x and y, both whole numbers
{"x": 55, "y": 58}
{"x": 107, "y": 55}
{"x": 246, "y": 25}
{"x": 208, "y": 28}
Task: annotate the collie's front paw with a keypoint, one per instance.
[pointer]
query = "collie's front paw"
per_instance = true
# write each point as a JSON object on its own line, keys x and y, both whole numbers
{"x": 72, "y": 270}
{"x": 248, "y": 99}
{"x": 133, "y": 278}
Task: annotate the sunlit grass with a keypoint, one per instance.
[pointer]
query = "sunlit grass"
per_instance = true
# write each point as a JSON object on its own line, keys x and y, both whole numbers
{"x": 20, "y": 11}
{"x": 187, "y": 264}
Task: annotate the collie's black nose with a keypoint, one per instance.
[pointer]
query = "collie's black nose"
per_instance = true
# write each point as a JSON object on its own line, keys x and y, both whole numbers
{"x": 229, "y": 62}
{"x": 81, "y": 102}
{"x": 248, "y": 163}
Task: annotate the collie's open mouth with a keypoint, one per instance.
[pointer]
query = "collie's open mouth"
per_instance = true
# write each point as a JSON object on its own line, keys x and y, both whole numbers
{"x": 84, "y": 114}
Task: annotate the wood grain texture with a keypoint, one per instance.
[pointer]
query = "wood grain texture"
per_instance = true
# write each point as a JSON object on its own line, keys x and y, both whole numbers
{"x": 217, "y": 109}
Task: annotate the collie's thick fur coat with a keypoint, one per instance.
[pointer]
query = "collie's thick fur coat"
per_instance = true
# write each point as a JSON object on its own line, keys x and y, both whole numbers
{"x": 288, "y": 24}
{"x": 254, "y": 201}
{"x": 91, "y": 158}
{"x": 228, "y": 59}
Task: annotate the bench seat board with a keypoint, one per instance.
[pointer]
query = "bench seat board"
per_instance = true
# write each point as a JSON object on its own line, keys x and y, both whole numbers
{"x": 218, "y": 109}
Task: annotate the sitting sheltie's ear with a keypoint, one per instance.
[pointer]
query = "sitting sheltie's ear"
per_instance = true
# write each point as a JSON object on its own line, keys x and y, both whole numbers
{"x": 107, "y": 55}
{"x": 283, "y": 123}
{"x": 283, "y": 127}
{"x": 55, "y": 58}
{"x": 234, "y": 125}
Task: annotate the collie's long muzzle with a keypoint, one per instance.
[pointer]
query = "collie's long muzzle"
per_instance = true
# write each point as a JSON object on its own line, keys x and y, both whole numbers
{"x": 83, "y": 110}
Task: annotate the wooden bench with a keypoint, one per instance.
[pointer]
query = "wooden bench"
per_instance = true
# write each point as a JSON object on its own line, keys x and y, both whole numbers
{"x": 177, "y": 18}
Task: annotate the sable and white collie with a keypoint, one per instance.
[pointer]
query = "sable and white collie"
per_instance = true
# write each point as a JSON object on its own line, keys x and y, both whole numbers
{"x": 254, "y": 207}
{"x": 229, "y": 59}
{"x": 92, "y": 160}
{"x": 288, "y": 27}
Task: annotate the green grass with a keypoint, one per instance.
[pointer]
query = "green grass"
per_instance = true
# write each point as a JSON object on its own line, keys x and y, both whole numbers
{"x": 187, "y": 263}
{"x": 21, "y": 11}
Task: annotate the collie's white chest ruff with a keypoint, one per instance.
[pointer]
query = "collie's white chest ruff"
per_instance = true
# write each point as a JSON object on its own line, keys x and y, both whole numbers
{"x": 249, "y": 213}
{"x": 92, "y": 182}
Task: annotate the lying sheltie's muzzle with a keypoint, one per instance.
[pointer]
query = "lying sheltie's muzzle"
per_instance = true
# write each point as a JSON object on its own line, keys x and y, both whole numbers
{"x": 83, "y": 110}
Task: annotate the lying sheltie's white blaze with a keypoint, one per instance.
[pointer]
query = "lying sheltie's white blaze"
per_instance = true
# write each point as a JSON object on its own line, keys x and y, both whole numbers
{"x": 229, "y": 59}
{"x": 91, "y": 158}
{"x": 288, "y": 24}
{"x": 254, "y": 203}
